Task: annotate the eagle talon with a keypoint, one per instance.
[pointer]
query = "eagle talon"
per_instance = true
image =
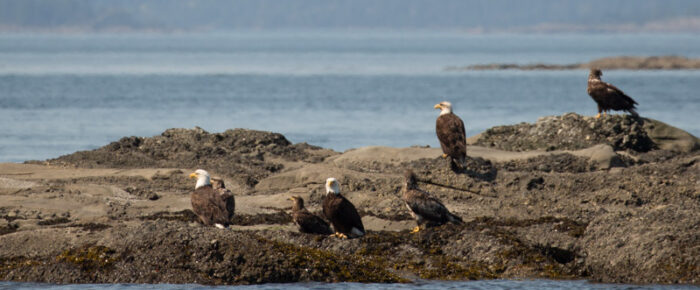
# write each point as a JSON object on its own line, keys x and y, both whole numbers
{"x": 415, "y": 230}
{"x": 597, "y": 116}
{"x": 340, "y": 235}
{"x": 444, "y": 155}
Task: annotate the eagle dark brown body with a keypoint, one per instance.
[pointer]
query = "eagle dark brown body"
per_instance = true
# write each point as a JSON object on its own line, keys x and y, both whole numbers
{"x": 426, "y": 209}
{"x": 341, "y": 212}
{"x": 451, "y": 134}
{"x": 607, "y": 96}
{"x": 226, "y": 195}
{"x": 306, "y": 221}
{"x": 208, "y": 205}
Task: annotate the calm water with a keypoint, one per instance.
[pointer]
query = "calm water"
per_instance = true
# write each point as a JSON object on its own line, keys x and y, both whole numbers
{"x": 63, "y": 93}
{"x": 473, "y": 285}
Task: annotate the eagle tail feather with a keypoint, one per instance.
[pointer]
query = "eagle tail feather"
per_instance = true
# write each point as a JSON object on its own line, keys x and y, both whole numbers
{"x": 458, "y": 164}
{"x": 633, "y": 112}
{"x": 455, "y": 219}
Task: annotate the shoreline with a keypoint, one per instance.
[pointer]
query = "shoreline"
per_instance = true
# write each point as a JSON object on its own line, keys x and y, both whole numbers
{"x": 567, "y": 197}
{"x": 670, "y": 62}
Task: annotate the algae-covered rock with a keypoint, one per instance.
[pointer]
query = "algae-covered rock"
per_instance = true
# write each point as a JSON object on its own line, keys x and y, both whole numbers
{"x": 246, "y": 156}
{"x": 570, "y": 132}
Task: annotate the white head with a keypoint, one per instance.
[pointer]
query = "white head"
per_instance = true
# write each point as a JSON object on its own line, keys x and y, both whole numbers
{"x": 332, "y": 186}
{"x": 202, "y": 178}
{"x": 445, "y": 107}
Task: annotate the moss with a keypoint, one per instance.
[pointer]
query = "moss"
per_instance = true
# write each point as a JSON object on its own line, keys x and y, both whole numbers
{"x": 9, "y": 264}
{"x": 443, "y": 268}
{"x": 89, "y": 258}
{"x": 342, "y": 268}
{"x": 537, "y": 259}
{"x": 679, "y": 270}
{"x": 433, "y": 264}
{"x": 380, "y": 244}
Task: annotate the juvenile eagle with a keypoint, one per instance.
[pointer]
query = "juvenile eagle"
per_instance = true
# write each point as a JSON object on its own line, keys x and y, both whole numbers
{"x": 207, "y": 204}
{"x": 608, "y": 96}
{"x": 426, "y": 209}
{"x": 341, "y": 213}
{"x": 453, "y": 139}
{"x": 226, "y": 195}
{"x": 308, "y": 222}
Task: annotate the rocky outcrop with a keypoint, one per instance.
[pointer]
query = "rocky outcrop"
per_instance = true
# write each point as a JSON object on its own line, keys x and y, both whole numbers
{"x": 246, "y": 156}
{"x": 614, "y": 199}
{"x": 570, "y": 132}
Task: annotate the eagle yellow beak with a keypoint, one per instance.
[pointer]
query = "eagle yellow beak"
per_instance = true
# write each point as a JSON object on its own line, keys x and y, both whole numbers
{"x": 437, "y": 106}
{"x": 193, "y": 175}
{"x": 291, "y": 198}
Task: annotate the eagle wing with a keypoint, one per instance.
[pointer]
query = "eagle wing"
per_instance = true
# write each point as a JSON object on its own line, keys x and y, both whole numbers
{"x": 229, "y": 201}
{"x": 342, "y": 214}
{"x": 310, "y": 223}
{"x": 624, "y": 101}
{"x": 450, "y": 131}
{"x": 209, "y": 206}
{"x": 610, "y": 97}
{"x": 428, "y": 207}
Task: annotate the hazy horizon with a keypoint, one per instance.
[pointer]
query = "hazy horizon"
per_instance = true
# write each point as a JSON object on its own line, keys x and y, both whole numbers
{"x": 474, "y": 16}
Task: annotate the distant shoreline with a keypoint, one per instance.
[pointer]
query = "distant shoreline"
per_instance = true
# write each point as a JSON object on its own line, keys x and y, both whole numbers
{"x": 669, "y": 62}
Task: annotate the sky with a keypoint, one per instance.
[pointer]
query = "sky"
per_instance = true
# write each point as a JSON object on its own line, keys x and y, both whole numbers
{"x": 477, "y": 16}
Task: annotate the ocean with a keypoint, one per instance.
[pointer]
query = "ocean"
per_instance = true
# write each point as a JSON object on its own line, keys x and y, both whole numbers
{"x": 61, "y": 93}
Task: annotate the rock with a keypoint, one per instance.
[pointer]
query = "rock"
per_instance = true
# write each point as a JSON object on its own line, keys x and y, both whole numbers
{"x": 239, "y": 154}
{"x": 544, "y": 213}
{"x": 670, "y": 138}
{"x": 570, "y": 132}
{"x": 602, "y": 156}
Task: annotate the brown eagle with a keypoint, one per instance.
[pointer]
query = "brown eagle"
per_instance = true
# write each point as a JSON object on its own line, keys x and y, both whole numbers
{"x": 308, "y": 223}
{"x": 341, "y": 213}
{"x": 226, "y": 195}
{"x": 608, "y": 96}
{"x": 207, "y": 204}
{"x": 453, "y": 139}
{"x": 426, "y": 209}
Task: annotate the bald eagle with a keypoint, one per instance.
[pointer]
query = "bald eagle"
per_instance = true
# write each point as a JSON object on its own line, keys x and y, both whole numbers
{"x": 453, "y": 139}
{"x": 426, "y": 209}
{"x": 342, "y": 214}
{"x": 207, "y": 204}
{"x": 608, "y": 96}
{"x": 226, "y": 195}
{"x": 308, "y": 222}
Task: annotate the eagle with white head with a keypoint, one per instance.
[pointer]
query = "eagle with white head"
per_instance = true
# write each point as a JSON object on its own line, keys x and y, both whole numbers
{"x": 453, "y": 138}
{"x": 207, "y": 203}
{"x": 341, "y": 212}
